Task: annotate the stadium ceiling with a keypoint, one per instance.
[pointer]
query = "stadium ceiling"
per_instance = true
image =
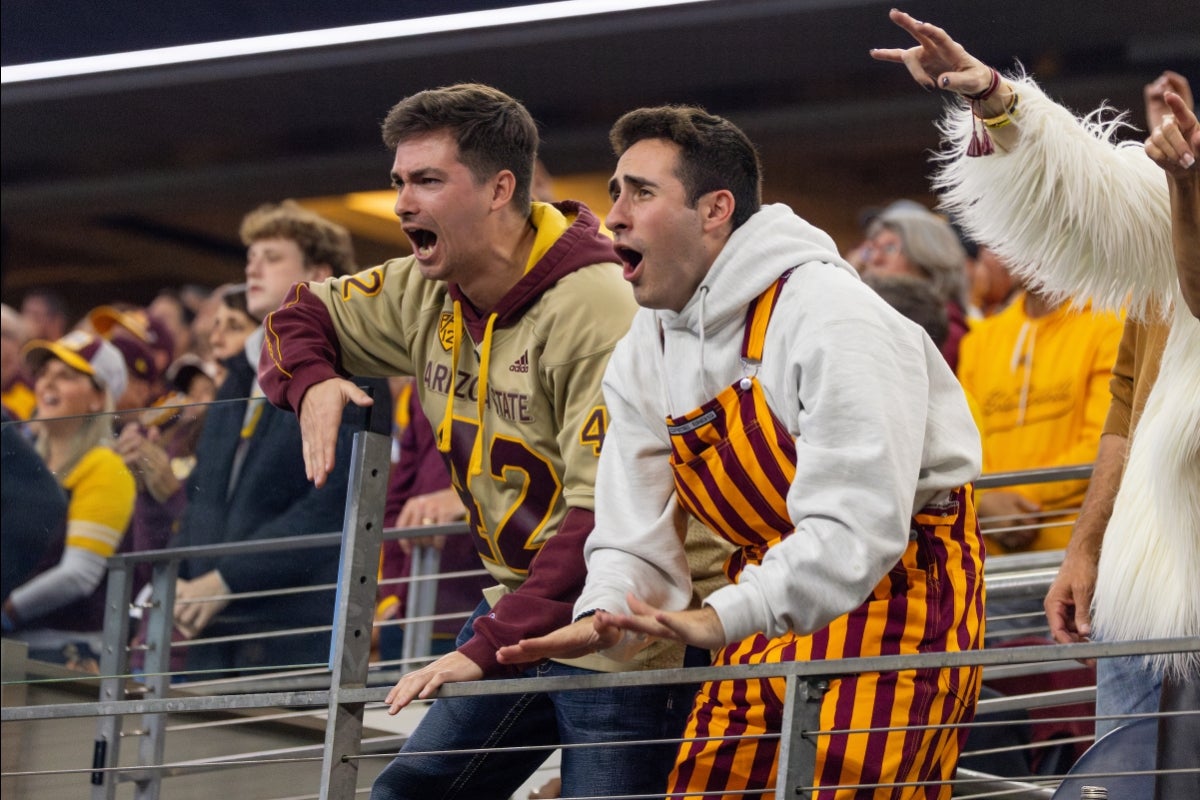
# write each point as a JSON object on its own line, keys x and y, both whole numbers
{"x": 118, "y": 182}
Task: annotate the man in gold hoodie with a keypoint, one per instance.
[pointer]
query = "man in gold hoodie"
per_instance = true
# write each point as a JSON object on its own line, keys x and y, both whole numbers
{"x": 506, "y": 314}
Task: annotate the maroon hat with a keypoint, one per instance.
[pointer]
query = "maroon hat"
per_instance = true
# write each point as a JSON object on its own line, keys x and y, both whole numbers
{"x": 136, "y": 321}
{"x": 139, "y": 358}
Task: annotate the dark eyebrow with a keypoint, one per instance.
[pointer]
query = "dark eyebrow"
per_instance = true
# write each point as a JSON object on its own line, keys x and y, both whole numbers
{"x": 417, "y": 174}
{"x": 632, "y": 181}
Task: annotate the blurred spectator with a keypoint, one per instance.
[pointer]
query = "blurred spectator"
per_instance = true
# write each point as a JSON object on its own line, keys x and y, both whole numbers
{"x": 194, "y": 296}
{"x": 203, "y": 314}
{"x": 249, "y": 481}
{"x": 908, "y": 239}
{"x": 33, "y": 508}
{"x": 193, "y": 378}
{"x": 45, "y": 314}
{"x": 914, "y": 298}
{"x": 859, "y": 255}
{"x": 232, "y": 323}
{"x": 123, "y": 319}
{"x": 992, "y": 286}
{"x": 159, "y": 447}
{"x": 17, "y": 392}
{"x": 1039, "y": 370}
{"x": 143, "y": 388}
{"x": 168, "y": 308}
{"x": 61, "y": 609}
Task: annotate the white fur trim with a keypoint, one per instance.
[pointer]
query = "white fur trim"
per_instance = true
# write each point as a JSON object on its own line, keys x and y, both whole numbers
{"x": 1148, "y": 585}
{"x": 1089, "y": 220}
{"x": 1065, "y": 206}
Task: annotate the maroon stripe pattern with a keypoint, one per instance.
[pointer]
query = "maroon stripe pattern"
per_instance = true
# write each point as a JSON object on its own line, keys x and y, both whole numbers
{"x": 733, "y": 464}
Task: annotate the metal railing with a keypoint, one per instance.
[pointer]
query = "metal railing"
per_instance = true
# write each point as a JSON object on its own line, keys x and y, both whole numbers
{"x": 342, "y": 693}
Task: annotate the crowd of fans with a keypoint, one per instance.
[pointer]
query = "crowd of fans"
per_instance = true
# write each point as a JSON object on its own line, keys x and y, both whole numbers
{"x": 141, "y": 427}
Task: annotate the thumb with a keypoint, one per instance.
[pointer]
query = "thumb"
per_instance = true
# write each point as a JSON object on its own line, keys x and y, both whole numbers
{"x": 636, "y": 606}
{"x": 1083, "y": 619}
{"x": 357, "y": 396}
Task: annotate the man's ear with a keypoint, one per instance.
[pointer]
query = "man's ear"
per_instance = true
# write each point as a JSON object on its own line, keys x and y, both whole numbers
{"x": 717, "y": 209}
{"x": 504, "y": 184}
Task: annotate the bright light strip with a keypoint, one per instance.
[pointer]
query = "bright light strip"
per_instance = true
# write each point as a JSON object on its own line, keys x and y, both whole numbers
{"x": 352, "y": 34}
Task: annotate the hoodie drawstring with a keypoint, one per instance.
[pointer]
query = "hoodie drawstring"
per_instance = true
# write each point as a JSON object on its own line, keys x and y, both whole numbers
{"x": 485, "y": 357}
{"x": 1026, "y": 340}
{"x": 475, "y": 464}
{"x": 703, "y": 374}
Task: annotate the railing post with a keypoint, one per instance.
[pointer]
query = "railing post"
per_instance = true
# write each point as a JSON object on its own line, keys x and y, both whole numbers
{"x": 422, "y": 602}
{"x": 797, "y": 751}
{"x": 160, "y": 623}
{"x": 354, "y": 613}
{"x": 114, "y": 667}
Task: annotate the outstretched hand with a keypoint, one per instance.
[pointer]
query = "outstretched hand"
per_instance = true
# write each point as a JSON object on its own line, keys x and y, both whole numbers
{"x": 937, "y": 61}
{"x": 580, "y": 638}
{"x": 698, "y": 627}
{"x": 320, "y": 417}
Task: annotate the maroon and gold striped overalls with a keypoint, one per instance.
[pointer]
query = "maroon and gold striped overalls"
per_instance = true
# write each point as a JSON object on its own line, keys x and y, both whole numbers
{"x": 734, "y": 463}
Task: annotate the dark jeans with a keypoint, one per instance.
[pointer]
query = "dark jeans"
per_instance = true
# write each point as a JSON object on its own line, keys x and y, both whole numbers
{"x": 600, "y": 717}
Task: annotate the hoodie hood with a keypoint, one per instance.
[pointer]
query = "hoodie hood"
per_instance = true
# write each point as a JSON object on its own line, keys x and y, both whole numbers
{"x": 766, "y": 246}
{"x": 580, "y": 244}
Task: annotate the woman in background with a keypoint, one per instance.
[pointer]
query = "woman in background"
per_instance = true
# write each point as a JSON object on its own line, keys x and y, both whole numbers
{"x": 59, "y": 612}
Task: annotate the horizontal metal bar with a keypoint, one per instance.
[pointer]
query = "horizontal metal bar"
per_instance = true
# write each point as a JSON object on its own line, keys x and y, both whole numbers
{"x": 804, "y": 669}
{"x": 1019, "y": 562}
{"x": 1026, "y": 476}
{"x": 305, "y": 541}
{"x": 1003, "y": 786}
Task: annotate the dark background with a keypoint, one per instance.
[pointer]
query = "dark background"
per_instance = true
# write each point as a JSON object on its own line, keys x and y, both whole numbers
{"x": 118, "y": 184}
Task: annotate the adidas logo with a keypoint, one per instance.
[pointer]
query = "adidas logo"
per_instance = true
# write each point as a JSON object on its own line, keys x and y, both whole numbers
{"x": 521, "y": 364}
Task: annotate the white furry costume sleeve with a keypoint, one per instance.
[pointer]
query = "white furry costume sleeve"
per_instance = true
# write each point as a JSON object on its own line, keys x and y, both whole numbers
{"x": 1090, "y": 219}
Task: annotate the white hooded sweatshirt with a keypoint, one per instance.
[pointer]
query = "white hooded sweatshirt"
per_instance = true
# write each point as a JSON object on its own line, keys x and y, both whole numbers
{"x": 881, "y": 427}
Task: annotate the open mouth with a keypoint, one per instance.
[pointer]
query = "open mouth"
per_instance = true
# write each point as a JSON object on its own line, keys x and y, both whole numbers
{"x": 630, "y": 258}
{"x": 423, "y": 241}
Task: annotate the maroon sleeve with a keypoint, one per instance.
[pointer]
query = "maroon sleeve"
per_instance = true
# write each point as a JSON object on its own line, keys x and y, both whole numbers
{"x": 543, "y": 603}
{"x": 299, "y": 350}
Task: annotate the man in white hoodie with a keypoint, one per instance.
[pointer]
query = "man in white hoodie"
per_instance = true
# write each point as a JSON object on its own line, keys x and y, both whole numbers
{"x": 769, "y": 393}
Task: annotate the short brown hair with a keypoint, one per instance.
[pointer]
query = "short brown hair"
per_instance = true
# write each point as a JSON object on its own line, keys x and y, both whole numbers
{"x": 715, "y": 154}
{"x": 493, "y": 131}
{"x": 320, "y": 240}
{"x": 916, "y": 299}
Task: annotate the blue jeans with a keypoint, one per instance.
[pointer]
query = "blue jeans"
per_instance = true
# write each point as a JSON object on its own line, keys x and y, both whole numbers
{"x": 1124, "y": 685}
{"x": 540, "y": 720}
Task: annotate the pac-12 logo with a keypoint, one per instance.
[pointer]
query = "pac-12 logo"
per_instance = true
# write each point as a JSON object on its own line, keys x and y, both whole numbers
{"x": 446, "y": 330}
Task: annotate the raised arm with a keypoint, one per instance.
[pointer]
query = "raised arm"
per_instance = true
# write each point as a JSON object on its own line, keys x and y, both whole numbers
{"x": 1174, "y": 144}
{"x": 1048, "y": 172}
{"x": 939, "y": 62}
